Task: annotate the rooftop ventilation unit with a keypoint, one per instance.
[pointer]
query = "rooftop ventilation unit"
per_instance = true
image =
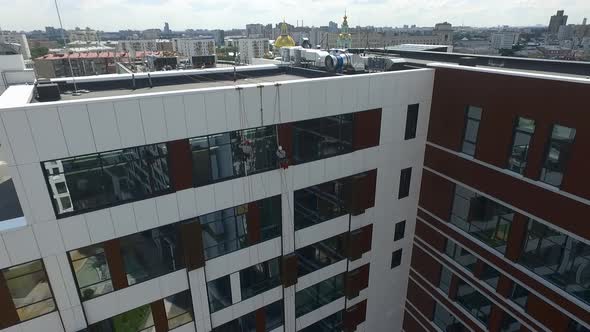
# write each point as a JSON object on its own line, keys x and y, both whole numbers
{"x": 47, "y": 91}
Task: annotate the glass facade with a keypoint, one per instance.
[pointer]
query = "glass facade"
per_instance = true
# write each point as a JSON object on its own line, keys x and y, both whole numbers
{"x": 99, "y": 180}
{"x": 445, "y": 320}
{"x": 519, "y": 295}
{"x": 400, "y": 230}
{"x": 460, "y": 255}
{"x": 219, "y": 293}
{"x": 523, "y": 133}
{"x": 179, "y": 309}
{"x": 273, "y": 316}
{"x": 510, "y": 324}
{"x": 405, "y": 179}
{"x": 233, "y": 154}
{"x": 91, "y": 271}
{"x": 411, "y": 121}
{"x": 557, "y": 154}
{"x": 490, "y": 276}
{"x": 29, "y": 289}
{"x": 226, "y": 231}
{"x": 322, "y": 202}
{"x": 558, "y": 258}
{"x": 321, "y": 254}
{"x": 473, "y": 301}
{"x": 150, "y": 254}
{"x": 481, "y": 217}
{"x": 472, "y": 119}
{"x": 322, "y": 137}
{"x": 577, "y": 327}
{"x": 332, "y": 323}
{"x": 136, "y": 320}
{"x": 260, "y": 278}
{"x": 445, "y": 279}
{"x": 318, "y": 295}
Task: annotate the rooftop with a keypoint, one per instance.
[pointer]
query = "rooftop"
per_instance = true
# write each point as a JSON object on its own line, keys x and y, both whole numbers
{"x": 94, "y": 55}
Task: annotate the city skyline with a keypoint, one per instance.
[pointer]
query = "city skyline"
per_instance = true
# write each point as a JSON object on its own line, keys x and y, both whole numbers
{"x": 185, "y": 14}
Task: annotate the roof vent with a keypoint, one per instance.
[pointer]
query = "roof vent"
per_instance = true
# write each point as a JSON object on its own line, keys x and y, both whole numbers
{"x": 48, "y": 92}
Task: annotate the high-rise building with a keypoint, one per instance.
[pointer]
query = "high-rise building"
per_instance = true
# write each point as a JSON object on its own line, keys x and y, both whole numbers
{"x": 20, "y": 39}
{"x": 556, "y": 21}
{"x": 254, "y": 30}
{"x": 167, "y": 28}
{"x": 443, "y": 198}
{"x": 333, "y": 27}
{"x": 504, "y": 40}
{"x": 194, "y": 47}
{"x": 249, "y": 48}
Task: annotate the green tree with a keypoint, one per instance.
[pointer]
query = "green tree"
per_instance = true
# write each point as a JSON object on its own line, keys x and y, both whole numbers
{"x": 38, "y": 51}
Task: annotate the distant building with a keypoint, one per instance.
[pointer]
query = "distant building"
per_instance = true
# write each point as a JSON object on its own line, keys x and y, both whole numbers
{"x": 556, "y": 21}
{"x": 254, "y": 30}
{"x": 219, "y": 36}
{"x": 145, "y": 45}
{"x": 151, "y": 34}
{"x": 193, "y": 47}
{"x": 82, "y": 35}
{"x": 344, "y": 38}
{"x": 504, "y": 40}
{"x": 284, "y": 40}
{"x": 566, "y": 32}
{"x": 9, "y": 37}
{"x": 250, "y": 48}
{"x": 166, "y": 28}
{"x": 13, "y": 70}
{"x": 332, "y": 27}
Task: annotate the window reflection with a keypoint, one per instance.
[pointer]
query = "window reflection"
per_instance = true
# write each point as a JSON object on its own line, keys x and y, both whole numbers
{"x": 91, "y": 271}
{"x": 273, "y": 314}
{"x": 260, "y": 278}
{"x": 322, "y": 137}
{"x": 557, "y": 154}
{"x": 179, "y": 309}
{"x": 481, "y": 217}
{"x": 490, "y": 276}
{"x": 321, "y": 202}
{"x": 136, "y": 320}
{"x": 519, "y": 295}
{"x": 445, "y": 320}
{"x": 472, "y": 119}
{"x": 29, "y": 288}
{"x": 318, "y": 295}
{"x": 460, "y": 255}
{"x": 477, "y": 304}
{"x": 445, "y": 279}
{"x": 558, "y": 258}
{"x": 321, "y": 254}
{"x": 103, "y": 179}
{"x": 509, "y": 324}
{"x": 219, "y": 292}
{"x": 523, "y": 132}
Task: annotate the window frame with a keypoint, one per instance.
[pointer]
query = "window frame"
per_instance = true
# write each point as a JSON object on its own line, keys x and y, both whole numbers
{"x": 396, "y": 232}
{"x": 405, "y": 183}
{"x": 411, "y": 134}
{"x": 466, "y": 118}
{"x": 396, "y": 257}
{"x": 546, "y": 151}
{"x": 515, "y": 131}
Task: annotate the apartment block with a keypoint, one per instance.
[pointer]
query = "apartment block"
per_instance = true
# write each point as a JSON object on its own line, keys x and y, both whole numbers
{"x": 260, "y": 198}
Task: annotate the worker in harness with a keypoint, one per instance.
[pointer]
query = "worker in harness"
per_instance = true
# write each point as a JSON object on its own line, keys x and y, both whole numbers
{"x": 282, "y": 158}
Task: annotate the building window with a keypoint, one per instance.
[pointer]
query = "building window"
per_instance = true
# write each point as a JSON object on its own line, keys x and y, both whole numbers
{"x": 260, "y": 278}
{"x": 472, "y": 119}
{"x": 396, "y": 258}
{"x": 481, "y": 217}
{"x": 445, "y": 279}
{"x": 136, "y": 320}
{"x": 108, "y": 178}
{"x": 179, "y": 309}
{"x": 523, "y": 132}
{"x": 509, "y": 324}
{"x": 233, "y": 154}
{"x": 473, "y": 301}
{"x": 404, "y": 182}
{"x": 329, "y": 324}
{"x": 322, "y": 137}
{"x": 273, "y": 317}
{"x": 321, "y": 202}
{"x": 445, "y": 321}
{"x": 91, "y": 271}
{"x": 519, "y": 295}
{"x": 219, "y": 292}
{"x": 411, "y": 121}
{"x": 273, "y": 314}
{"x": 150, "y": 254}
{"x": 226, "y": 231}
{"x": 577, "y": 327}
{"x": 460, "y": 255}
{"x": 490, "y": 276}
{"x": 400, "y": 229}
{"x": 29, "y": 288}
{"x": 557, "y": 155}
{"x": 321, "y": 254}
{"x": 318, "y": 295}
{"x": 558, "y": 258}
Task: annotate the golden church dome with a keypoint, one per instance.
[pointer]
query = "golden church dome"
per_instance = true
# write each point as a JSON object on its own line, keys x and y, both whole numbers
{"x": 284, "y": 40}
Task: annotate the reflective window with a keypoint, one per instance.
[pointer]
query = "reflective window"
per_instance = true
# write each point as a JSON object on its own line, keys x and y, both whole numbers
{"x": 460, "y": 255}
{"x": 577, "y": 327}
{"x": 179, "y": 309}
{"x": 332, "y": 323}
{"x": 29, "y": 288}
{"x": 91, "y": 271}
{"x": 233, "y": 154}
{"x": 490, "y": 276}
{"x": 523, "y": 132}
{"x": 396, "y": 258}
{"x": 321, "y": 254}
{"x": 400, "y": 229}
{"x": 104, "y": 179}
{"x": 219, "y": 292}
{"x": 557, "y": 155}
{"x": 226, "y": 231}
{"x": 445, "y": 279}
{"x": 405, "y": 179}
{"x": 273, "y": 317}
{"x": 322, "y": 202}
{"x": 318, "y": 295}
{"x": 473, "y": 301}
{"x": 558, "y": 258}
{"x": 445, "y": 321}
{"x": 472, "y": 119}
{"x": 481, "y": 217}
{"x": 150, "y": 254}
{"x": 509, "y": 324}
{"x": 519, "y": 295}
{"x": 322, "y": 137}
{"x": 411, "y": 121}
{"x": 260, "y": 278}
{"x": 136, "y": 320}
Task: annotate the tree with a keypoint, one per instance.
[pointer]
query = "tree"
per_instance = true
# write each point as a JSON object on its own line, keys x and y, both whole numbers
{"x": 39, "y": 51}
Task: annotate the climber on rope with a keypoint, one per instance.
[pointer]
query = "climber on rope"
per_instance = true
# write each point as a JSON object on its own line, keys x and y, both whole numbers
{"x": 247, "y": 148}
{"x": 282, "y": 158}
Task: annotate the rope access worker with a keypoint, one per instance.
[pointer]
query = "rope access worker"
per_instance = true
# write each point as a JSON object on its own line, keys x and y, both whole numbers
{"x": 282, "y": 158}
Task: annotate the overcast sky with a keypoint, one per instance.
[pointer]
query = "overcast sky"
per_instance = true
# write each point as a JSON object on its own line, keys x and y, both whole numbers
{"x": 114, "y": 15}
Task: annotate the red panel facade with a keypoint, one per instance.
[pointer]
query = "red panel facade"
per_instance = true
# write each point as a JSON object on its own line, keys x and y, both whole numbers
{"x": 179, "y": 155}
{"x": 367, "y": 129}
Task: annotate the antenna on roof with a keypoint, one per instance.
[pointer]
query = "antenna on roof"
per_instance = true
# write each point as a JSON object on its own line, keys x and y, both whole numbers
{"x": 63, "y": 37}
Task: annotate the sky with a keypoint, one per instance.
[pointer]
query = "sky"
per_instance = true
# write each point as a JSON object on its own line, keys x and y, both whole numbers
{"x": 114, "y": 15}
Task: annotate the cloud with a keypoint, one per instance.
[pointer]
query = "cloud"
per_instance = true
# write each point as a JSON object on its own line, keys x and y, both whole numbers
{"x": 114, "y": 15}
